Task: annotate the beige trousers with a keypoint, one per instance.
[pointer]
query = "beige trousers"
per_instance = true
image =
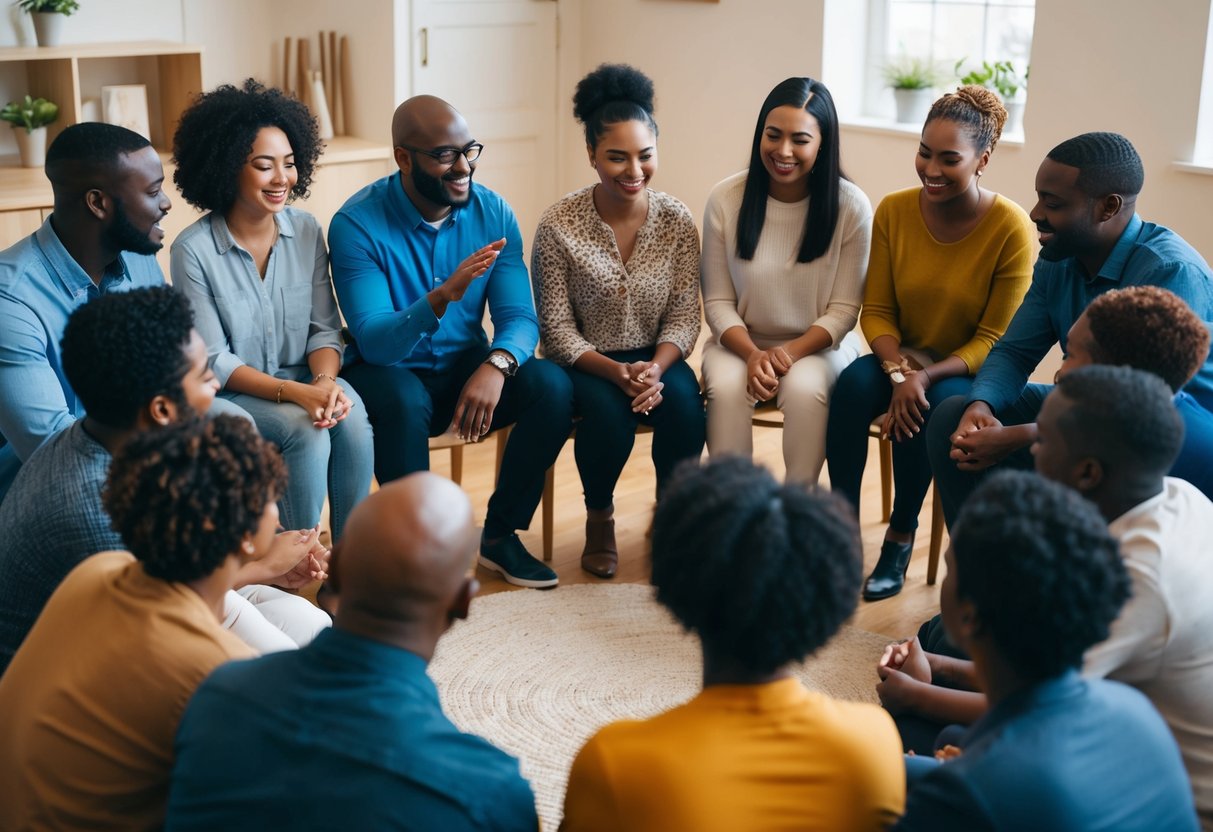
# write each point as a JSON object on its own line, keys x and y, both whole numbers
{"x": 803, "y": 396}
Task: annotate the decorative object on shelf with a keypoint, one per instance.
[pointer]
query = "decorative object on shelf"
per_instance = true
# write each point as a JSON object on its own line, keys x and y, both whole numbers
{"x": 126, "y": 106}
{"x": 326, "y": 90}
{"x": 320, "y": 107}
{"x": 29, "y": 119}
{"x": 913, "y": 81}
{"x": 1001, "y": 77}
{"x": 48, "y": 18}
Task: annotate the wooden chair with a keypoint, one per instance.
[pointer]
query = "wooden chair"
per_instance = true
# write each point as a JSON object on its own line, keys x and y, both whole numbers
{"x": 767, "y": 415}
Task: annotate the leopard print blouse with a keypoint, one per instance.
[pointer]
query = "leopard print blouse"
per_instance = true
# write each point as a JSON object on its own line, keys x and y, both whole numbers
{"x": 589, "y": 299}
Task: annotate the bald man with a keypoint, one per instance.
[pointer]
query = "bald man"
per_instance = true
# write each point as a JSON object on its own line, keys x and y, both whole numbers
{"x": 416, "y": 258}
{"x": 348, "y": 733}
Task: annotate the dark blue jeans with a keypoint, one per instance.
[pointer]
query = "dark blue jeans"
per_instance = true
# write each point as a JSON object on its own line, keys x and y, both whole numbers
{"x": 407, "y": 407}
{"x": 956, "y": 485}
{"x": 862, "y": 393}
{"x": 607, "y": 429}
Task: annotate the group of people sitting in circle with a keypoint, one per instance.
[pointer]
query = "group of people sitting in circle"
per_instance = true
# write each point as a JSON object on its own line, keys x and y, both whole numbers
{"x": 158, "y": 440}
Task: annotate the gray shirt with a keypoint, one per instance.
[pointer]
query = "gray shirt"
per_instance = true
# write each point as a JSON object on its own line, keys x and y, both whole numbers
{"x": 51, "y": 520}
{"x": 272, "y": 325}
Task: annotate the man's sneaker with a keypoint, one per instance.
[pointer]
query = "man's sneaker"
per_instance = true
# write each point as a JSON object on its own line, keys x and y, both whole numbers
{"x": 509, "y": 557}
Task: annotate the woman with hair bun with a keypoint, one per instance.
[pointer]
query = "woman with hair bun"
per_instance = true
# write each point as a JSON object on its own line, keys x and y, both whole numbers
{"x": 785, "y": 246}
{"x": 950, "y": 263}
{"x": 257, "y": 274}
{"x": 615, "y": 268}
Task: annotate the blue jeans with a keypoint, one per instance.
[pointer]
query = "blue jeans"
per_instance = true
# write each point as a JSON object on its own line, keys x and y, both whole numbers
{"x": 607, "y": 429}
{"x": 408, "y": 406}
{"x": 956, "y": 485}
{"x": 336, "y": 462}
{"x": 862, "y": 393}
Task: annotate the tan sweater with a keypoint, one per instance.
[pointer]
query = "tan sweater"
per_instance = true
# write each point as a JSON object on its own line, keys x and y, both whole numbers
{"x": 772, "y": 295}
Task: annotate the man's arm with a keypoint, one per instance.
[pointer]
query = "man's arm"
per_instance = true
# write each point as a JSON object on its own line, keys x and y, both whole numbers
{"x": 1029, "y": 337}
{"x": 32, "y": 401}
{"x": 511, "y": 306}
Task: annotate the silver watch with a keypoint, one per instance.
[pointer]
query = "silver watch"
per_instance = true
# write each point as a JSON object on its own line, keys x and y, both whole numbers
{"x": 503, "y": 362}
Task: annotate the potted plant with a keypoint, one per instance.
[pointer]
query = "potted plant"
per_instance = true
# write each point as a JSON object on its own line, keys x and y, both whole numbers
{"x": 32, "y": 114}
{"x": 48, "y": 17}
{"x": 1001, "y": 77}
{"x": 913, "y": 81}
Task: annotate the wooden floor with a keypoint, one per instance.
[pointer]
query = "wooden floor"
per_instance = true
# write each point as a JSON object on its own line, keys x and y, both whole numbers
{"x": 897, "y": 617}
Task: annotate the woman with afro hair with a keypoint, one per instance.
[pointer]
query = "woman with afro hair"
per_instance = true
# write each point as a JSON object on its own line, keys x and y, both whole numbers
{"x": 256, "y": 271}
{"x": 615, "y": 269}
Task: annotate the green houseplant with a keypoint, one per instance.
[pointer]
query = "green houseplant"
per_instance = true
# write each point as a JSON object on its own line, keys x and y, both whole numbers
{"x": 913, "y": 81}
{"x": 1002, "y": 77}
{"x": 32, "y": 114}
{"x": 48, "y": 17}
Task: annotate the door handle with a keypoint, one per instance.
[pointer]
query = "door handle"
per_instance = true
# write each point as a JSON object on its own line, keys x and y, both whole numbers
{"x": 425, "y": 46}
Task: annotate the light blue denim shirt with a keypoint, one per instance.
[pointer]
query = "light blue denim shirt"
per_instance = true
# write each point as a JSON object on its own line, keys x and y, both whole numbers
{"x": 40, "y": 287}
{"x": 272, "y": 325}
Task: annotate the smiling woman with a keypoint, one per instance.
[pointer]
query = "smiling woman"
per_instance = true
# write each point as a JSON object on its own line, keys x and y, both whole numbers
{"x": 256, "y": 272}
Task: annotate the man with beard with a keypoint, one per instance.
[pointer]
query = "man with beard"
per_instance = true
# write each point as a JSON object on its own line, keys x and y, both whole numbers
{"x": 109, "y": 199}
{"x": 416, "y": 257}
{"x": 1091, "y": 241}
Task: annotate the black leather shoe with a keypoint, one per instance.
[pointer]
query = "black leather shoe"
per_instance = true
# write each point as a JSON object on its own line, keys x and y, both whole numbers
{"x": 889, "y": 576}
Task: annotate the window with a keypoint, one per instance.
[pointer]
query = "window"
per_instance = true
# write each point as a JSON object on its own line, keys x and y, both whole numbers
{"x": 1202, "y": 153}
{"x": 939, "y": 32}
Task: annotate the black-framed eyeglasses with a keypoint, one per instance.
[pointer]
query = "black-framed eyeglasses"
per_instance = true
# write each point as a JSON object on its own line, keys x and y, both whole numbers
{"x": 448, "y": 155}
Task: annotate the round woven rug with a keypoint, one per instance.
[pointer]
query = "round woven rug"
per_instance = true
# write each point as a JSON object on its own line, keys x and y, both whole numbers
{"x": 537, "y": 673}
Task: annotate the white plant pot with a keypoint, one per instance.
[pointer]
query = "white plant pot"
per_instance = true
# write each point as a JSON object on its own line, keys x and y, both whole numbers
{"x": 913, "y": 105}
{"x": 1015, "y": 109}
{"x": 48, "y": 27}
{"x": 31, "y": 146}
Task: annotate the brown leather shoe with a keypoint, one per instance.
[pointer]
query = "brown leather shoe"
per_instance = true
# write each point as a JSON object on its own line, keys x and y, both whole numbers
{"x": 600, "y": 556}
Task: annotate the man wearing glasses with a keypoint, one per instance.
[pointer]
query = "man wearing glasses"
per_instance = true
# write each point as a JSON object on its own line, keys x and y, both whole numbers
{"x": 416, "y": 256}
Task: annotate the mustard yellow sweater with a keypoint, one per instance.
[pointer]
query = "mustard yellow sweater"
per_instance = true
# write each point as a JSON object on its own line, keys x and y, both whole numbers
{"x": 946, "y": 298}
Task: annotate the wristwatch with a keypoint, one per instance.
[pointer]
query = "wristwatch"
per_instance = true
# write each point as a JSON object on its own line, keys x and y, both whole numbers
{"x": 503, "y": 361}
{"x": 893, "y": 370}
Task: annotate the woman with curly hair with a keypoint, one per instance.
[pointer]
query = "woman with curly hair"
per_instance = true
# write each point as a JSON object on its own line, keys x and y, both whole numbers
{"x": 764, "y": 574}
{"x": 256, "y": 271}
{"x": 91, "y": 701}
{"x": 615, "y": 269}
{"x": 950, "y": 263}
{"x": 785, "y": 246}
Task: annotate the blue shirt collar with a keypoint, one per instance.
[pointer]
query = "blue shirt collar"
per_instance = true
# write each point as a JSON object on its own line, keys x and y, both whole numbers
{"x": 377, "y": 657}
{"x": 223, "y": 235}
{"x": 408, "y": 212}
{"x": 72, "y": 277}
{"x": 1113, "y": 268}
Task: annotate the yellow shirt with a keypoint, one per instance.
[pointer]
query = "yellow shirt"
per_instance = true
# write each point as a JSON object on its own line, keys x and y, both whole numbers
{"x": 946, "y": 298}
{"x": 742, "y": 758}
{"x": 90, "y": 704}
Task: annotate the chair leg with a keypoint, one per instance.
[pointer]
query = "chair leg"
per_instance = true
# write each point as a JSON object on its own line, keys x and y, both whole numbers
{"x": 457, "y": 464}
{"x": 937, "y": 525}
{"x": 549, "y": 510}
{"x": 886, "y": 480}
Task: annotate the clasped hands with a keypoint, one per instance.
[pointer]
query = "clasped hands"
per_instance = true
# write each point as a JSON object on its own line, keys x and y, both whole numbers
{"x": 324, "y": 400}
{"x": 642, "y": 381}
{"x": 980, "y": 439}
{"x": 908, "y": 405}
{"x": 902, "y": 667}
{"x": 763, "y": 369}
{"x": 295, "y": 559}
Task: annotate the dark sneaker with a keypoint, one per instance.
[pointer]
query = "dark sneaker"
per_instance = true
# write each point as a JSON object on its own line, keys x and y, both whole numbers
{"x": 509, "y": 557}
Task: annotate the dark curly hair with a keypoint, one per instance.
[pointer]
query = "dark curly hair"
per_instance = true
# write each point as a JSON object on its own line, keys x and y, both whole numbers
{"x": 1107, "y": 164}
{"x": 978, "y": 110}
{"x": 183, "y": 496}
{"x": 123, "y": 349}
{"x": 1038, "y": 563}
{"x": 610, "y": 94}
{"x": 216, "y": 135}
{"x": 1123, "y": 417}
{"x": 1151, "y": 329}
{"x": 764, "y": 573}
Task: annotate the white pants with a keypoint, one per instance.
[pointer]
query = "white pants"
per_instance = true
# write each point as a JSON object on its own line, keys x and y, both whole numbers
{"x": 270, "y": 620}
{"x": 803, "y": 396}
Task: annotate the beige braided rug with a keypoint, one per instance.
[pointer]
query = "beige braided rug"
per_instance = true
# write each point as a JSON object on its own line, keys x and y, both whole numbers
{"x": 537, "y": 673}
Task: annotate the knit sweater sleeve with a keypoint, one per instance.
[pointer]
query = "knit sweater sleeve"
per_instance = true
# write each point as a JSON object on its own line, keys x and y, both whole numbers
{"x": 880, "y": 310}
{"x": 853, "y": 235}
{"x": 719, "y": 227}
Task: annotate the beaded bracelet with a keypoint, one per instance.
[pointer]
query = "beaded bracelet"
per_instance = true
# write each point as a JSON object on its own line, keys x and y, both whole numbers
{"x": 278, "y": 395}
{"x": 323, "y": 375}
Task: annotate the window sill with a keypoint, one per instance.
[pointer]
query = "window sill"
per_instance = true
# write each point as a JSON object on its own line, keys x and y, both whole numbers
{"x": 887, "y": 127}
{"x": 1201, "y": 168}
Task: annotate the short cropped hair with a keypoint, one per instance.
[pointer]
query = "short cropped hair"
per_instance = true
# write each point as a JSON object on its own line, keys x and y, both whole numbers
{"x": 123, "y": 349}
{"x": 90, "y": 147}
{"x": 216, "y": 135}
{"x": 1107, "y": 164}
{"x": 1151, "y": 329}
{"x": 1124, "y": 417}
{"x": 1042, "y": 570}
{"x": 182, "y": 497}
{"x": 764, "y": 573}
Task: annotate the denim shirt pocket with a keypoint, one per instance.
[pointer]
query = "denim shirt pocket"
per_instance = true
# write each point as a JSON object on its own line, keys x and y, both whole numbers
{"x": 297, "y": 307}
{"x": 240, "y": 325}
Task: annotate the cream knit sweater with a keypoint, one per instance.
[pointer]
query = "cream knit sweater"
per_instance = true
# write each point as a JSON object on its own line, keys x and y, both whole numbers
{"x": 772, "y": 295}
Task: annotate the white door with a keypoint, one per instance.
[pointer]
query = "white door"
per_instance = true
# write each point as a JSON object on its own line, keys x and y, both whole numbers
{"x": 495, "y": 61}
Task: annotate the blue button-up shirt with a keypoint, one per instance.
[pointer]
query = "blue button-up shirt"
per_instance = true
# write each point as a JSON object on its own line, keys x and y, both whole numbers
{"x": 270, "y": 324}
{"x": 40, "y": 286}
{"x": 386, "y": 258}
{"x": 1145, "y": 254}
{"x": 346, "y": 733}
